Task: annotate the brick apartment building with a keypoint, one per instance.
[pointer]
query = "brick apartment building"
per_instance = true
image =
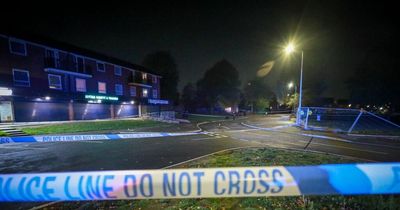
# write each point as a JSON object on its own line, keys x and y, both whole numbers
{"x": 43, "y": 80}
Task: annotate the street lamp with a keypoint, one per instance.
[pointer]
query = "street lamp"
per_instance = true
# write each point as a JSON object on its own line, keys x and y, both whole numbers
{"x": 290, "y": 85}
{"x": 288, "y": 50}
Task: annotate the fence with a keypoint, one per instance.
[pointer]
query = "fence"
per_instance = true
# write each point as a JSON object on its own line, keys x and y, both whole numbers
{"x": 168, "y": 116}
{"x": 346, "y": 120}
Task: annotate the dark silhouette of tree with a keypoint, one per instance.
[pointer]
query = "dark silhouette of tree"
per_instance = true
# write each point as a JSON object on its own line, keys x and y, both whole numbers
{"x": 220, "y": 84}
{"x": 164, "y": 64}
{"x": 189, "y": 97}
{"x": 258, "y": 95}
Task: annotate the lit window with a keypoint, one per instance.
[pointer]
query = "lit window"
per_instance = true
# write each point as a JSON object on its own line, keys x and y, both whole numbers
{"x": 21, "y": 78}
{"x": 118, "y": 70}
{"x": 132, "y": 91}
{"x": 155, "y": 94}
{"x": 119, "y": 90}
{"x": 80, "y": 85}
{"x": 102, "y": 87}
{"x": 145, "y": 93}
{"x": 55, "y": 82}
{"x": 17, "y": 47}
{"x": 144, "y": 76}
{"x": 101, "y": 67}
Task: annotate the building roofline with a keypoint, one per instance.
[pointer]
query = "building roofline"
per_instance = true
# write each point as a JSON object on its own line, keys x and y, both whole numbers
{"x": 70, "y": 48}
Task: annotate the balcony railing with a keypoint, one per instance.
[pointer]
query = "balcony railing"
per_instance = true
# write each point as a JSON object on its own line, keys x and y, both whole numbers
{"x": 66, "y": 65}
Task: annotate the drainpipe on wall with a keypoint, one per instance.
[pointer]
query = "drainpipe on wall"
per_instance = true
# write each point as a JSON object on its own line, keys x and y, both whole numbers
{"x": 112, "y": 111}
{"x": 70, "y": 111}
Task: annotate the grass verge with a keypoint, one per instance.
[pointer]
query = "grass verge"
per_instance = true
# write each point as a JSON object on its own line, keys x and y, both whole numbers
{"x": 197, "y": 119}
{"x": 2, "y": 133}
{"x": 91, "y": 126}
{"x": 256, "y": 157}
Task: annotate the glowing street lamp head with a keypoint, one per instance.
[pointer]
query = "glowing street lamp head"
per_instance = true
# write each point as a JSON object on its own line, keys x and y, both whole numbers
{"x": 290, "y": 85}
{"x": 289, "y": 48}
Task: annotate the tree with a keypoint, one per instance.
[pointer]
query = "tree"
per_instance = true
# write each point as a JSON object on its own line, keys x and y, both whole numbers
{"x": 220, "y": 84}
{"x": 293, "y": 101}
{"x": 164, "y": 64}
{"x": 189, "y": 97}
{"x": 258, "y": 95}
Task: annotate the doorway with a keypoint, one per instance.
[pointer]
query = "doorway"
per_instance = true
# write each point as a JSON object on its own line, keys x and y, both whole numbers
{"x": 6, "y": 111}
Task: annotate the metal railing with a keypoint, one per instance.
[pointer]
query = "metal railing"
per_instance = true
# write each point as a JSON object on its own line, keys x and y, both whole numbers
{"x": 161, "y": 116}
{"x": 346, "y": 120}
{"x": 66, "y": 64}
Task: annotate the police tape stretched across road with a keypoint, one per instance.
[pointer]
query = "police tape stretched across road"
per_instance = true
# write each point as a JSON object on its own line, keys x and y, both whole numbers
{"x": 345, "y": 179}
{"x": 90, "y": 137}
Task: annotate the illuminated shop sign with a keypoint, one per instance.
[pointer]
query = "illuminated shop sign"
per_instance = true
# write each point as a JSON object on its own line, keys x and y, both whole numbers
{"x": 157, "y": 101}
{"x": 98, "y": 97}
{"x": 5, "y": 91}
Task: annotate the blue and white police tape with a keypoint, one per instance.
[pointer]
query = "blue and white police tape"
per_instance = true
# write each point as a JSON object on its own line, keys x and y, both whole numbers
{"x": 345, "y": 179}
{"x": 88, "y": 137}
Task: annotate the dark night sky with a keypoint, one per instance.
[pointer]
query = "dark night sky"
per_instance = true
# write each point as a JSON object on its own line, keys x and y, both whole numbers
{"x": 334, "y": 34}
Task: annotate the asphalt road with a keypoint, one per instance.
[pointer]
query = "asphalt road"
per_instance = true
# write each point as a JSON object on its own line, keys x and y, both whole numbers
{"x": 152, "y": 153}
{"x": 278, "y": 133}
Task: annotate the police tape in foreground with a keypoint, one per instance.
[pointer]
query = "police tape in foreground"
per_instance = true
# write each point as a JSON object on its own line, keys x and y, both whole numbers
{"x": 343, "y": 179}
{"x": 89, "y": 137}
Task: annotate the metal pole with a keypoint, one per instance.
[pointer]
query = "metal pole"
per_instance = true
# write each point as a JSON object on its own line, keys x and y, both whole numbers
{"x": 355, "y": 122}
{"x": 300, "y": 90}
{"x": 306, "y": 122}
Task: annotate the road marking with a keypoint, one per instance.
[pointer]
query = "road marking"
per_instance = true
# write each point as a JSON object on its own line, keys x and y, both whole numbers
{"x": 348, "y": 141}
{"x": 199, "y": 139}
{"x": 308, "y": 150}
{"x": 244, "y": 130}
{"x": 375, "y": 136}
{"x": 327, "y": 137}
{"x": 269, "y": 129}
{"x": 328, "y": 145}
{"x": 225, "y": 127}
{"x": 324, "y": 137}
{"x": 212, "y": 136}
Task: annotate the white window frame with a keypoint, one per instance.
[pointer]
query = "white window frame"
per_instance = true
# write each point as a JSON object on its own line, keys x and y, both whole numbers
{"x": 29, "y": 78}
{"x": 76, "y": 79}
{"x": 155, "y": 95}
{"x": 98, "y": 89}
{"x": 122, "y": 90}
{"x": 130, "y": 91}
{"x": 120, "y": 70}
{"x": 59, "y": 79}
{"x": 19, "y": 41}
{"x": 97, "y": 66}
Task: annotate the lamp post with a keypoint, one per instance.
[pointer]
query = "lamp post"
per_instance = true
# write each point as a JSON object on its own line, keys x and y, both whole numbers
{"x": 288, "y": 50}
{"x": 291, "y": 85}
